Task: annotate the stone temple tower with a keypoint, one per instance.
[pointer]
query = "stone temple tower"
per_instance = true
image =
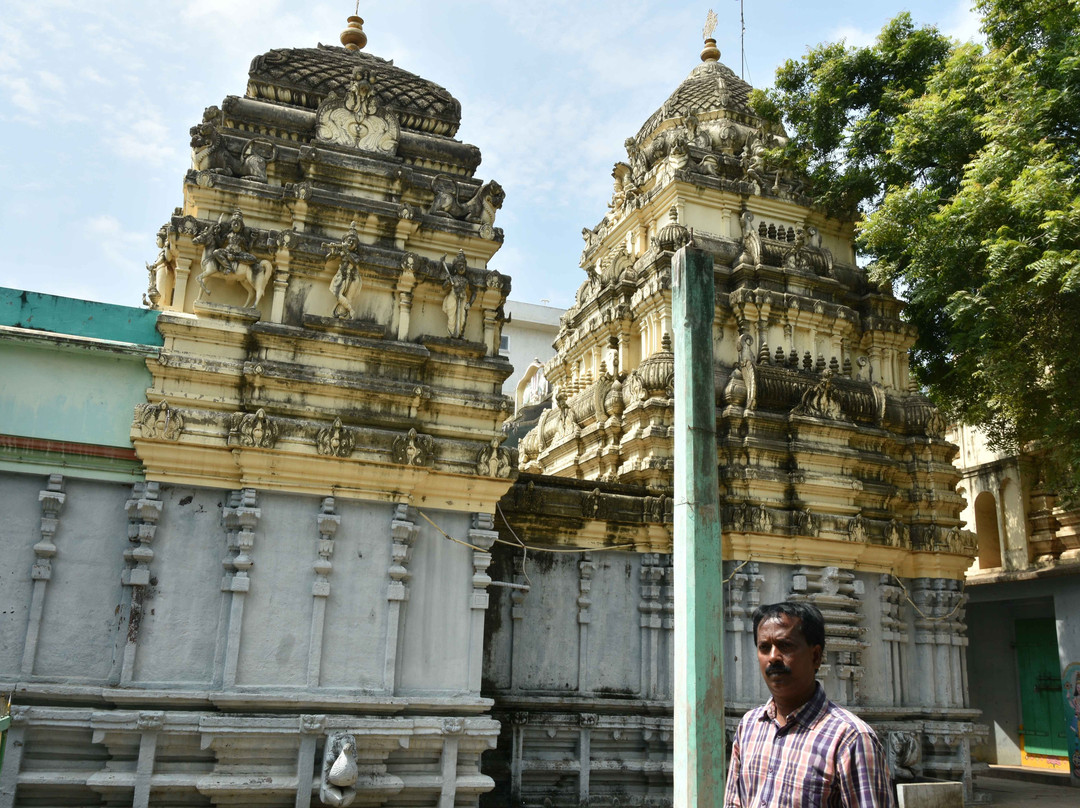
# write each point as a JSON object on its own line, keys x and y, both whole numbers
{"x": 288, "y": 622}
{"x": 835, "y": 477}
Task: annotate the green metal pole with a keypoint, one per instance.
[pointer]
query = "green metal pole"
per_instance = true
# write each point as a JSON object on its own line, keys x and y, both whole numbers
{"x": 699, "y": 683}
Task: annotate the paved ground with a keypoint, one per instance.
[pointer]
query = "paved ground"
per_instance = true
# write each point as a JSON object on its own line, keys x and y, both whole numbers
{"x": 1020, "y": 794}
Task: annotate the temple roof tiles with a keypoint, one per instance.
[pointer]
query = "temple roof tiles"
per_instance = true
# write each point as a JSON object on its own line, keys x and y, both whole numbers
{"x": 305, "y": 76}
{"x": 711, "y": 86}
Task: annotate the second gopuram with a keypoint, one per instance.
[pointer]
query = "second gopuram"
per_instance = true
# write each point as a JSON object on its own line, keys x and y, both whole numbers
{"x": 835, "y": 477}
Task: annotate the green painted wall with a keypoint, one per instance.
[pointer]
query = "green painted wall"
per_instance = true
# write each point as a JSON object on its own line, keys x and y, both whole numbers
{"x": 83, "y": 318}
{"x": 80, "y": 389}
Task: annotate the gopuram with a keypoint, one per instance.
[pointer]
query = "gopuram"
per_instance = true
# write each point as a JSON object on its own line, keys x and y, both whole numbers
{"x": 835, "y": 478}
{"x": 334, "y": 582}
{"x": 292, "y": 627}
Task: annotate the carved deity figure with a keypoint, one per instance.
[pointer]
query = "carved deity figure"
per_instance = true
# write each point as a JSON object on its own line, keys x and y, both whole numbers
{"x": 695, "y": 135}
{"x": 346, "y": 281}
{"x": 459, "y": 295}
{"x": 234, "y": 243}
{"x": 358, "y": 120}
{"x": 753, "y": 164}
{"x": 227, "y": 253}
{"x": 161, "y": 269}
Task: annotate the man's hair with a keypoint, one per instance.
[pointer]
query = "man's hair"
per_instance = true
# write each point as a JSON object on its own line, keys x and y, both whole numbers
{"x": 811, "y": 623}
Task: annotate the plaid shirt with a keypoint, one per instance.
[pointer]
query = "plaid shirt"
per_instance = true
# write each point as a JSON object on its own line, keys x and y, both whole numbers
{"x": 824, "y": 757}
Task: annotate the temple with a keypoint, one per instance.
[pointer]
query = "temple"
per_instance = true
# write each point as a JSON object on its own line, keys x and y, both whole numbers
{"x": 300, "y": 554}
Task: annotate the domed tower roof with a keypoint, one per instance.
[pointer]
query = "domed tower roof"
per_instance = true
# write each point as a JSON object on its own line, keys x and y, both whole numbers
{"x": 711, "y": 86}
{"x": 305, "y": 76}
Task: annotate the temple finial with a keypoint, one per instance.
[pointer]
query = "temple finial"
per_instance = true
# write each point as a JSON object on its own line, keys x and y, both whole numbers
{"x": 710, "y": 53}
{"x": 353, "y": 37}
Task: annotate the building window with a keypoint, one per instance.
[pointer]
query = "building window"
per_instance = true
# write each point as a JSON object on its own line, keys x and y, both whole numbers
{"x": 504, "y": 344}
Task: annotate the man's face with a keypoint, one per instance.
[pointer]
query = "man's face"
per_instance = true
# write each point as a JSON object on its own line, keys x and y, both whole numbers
{"x": 788, "y": 663}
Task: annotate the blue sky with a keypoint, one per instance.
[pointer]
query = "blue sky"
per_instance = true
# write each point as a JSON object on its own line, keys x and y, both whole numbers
{"x": 96, "y": 101}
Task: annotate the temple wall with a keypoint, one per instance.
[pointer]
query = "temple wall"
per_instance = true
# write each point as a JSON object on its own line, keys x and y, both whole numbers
{"x": 172, "y": 687}
{"x": 580, "y": 667}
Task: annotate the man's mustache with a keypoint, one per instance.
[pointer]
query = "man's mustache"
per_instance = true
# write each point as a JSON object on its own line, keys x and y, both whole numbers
{"x": 777, "y": 668}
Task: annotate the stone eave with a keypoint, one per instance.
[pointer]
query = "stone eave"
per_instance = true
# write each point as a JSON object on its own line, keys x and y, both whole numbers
{"x": 188, "y": 463}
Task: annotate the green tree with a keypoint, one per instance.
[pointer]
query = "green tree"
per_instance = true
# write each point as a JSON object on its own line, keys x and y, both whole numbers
{"x": 965, "y": 163}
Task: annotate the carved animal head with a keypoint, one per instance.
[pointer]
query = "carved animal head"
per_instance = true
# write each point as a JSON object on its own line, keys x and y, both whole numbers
{"x": 495, "y": 194}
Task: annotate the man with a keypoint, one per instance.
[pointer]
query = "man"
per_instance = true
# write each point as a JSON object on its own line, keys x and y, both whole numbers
{"x": 800, "y": 749}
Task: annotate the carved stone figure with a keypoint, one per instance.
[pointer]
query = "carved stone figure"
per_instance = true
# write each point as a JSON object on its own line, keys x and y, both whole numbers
{"x": 159, "y": 421}
{"x": 210, "y": 152}
{"x": 159, "y": 271}
{"x": 821, "y": 401}
{"x": 413, "y": 449}
{"x": 751, "y": 253}
{"x": 459, "y": 295}
{"x": 358, "y": 119}
{"x": 695, "y": 135}
{"x": 226, "y": 254}
{"x": 335, "y": 440}
{"x": 346, "y": 281}
{"x": 493, "y": 461}
{"x": 753, "y": 164}
{"x": 897, "y": 533}
{"x": 337, "y": 786}
{"x": 857, "y": 528}
{"x": 480, "y": 209}
{"x": 256, "y": 430}
{"x": 905, "y": 754}
{"x": 804, "y": 522}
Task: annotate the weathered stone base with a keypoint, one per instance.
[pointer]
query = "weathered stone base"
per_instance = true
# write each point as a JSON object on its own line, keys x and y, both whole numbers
{"x": 84, "y": 756}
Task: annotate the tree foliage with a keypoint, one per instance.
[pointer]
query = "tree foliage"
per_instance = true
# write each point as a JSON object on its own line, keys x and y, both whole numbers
{"x": 965, "y": 163}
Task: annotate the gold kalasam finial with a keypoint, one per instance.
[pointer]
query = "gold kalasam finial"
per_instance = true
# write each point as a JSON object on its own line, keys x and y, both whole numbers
{"x": 710, "y": 53}
{"x": 353, "y": 37}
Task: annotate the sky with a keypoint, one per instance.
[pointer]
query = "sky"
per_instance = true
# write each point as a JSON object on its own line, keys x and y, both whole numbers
{"x": 96, "y": 100}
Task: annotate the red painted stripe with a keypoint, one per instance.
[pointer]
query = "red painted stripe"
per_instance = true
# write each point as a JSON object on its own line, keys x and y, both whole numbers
{"x": 66, "y": 447}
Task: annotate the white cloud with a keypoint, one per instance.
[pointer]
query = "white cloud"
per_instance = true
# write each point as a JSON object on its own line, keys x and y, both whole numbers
{"x": 853, "y": 37}
{"x": 963, "y": 23}
{"x": 118, "y": 246}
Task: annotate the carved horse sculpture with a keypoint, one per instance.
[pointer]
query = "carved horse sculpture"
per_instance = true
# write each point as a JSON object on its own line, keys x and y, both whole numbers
{"x": 253, "y": 278}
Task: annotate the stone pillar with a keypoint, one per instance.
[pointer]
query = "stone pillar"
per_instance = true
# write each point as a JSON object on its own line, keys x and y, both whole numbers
{"x": 241, "y": 517}
{"x": 649, "y": 608}
{"x": 586, "y": 570}
{"x": 699, "y": 684}
{"x": 894, "y": 633}
{"x": 327, "y": 522}
{"x": 52, "y": 500}
{"x": 149, "y": 725}
{"x": 517, "y": 615}
{"x": 482, "y": 535}
{"x": 311, "y": 727}
{"x": 403, "y": 533}
{"x": 143, "y": 510}
{"x": 452, "y": 728}
{"x": 13, "y": 755}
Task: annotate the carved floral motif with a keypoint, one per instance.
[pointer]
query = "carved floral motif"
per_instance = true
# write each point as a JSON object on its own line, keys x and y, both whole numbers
{"x": 335, "y": 440}
{"x": 255, "y": 430}
{"x": 493, "y": 460}
{"x": 358, "y": 120}
{"x": 159, "y": 421}
{"x": 414, "y": 449}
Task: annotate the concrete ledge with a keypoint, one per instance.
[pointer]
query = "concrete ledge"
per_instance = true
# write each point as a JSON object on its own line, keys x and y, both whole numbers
{"x": 930, "y": 795}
